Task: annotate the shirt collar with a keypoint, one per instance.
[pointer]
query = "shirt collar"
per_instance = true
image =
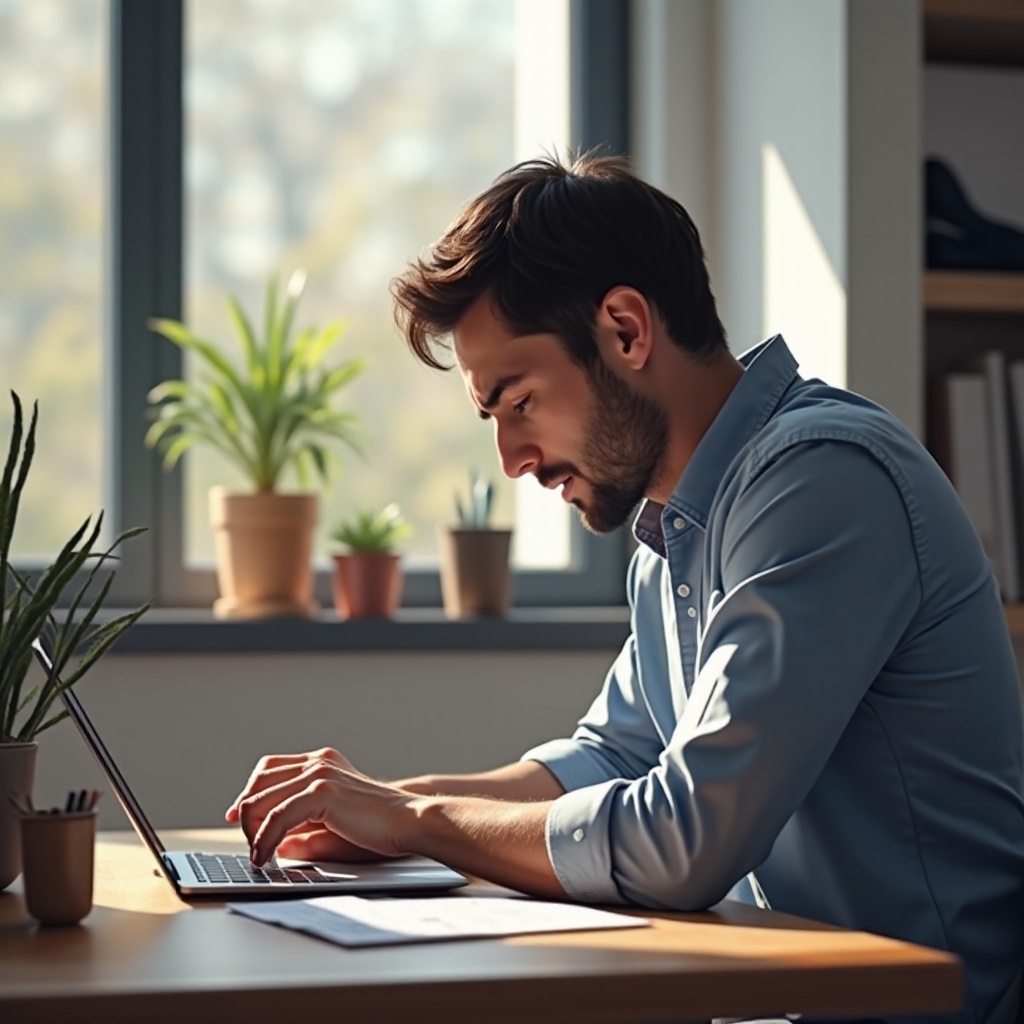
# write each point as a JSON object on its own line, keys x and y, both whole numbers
{"x": 769, "y": 369}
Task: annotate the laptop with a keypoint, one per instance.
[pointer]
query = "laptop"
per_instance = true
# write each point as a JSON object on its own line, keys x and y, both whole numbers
{"x": 195, "y": 873}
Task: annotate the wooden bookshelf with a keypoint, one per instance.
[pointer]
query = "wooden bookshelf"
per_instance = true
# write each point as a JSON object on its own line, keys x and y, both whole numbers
{"x": 973, "y": 291}
{"x": 974, "y": 31}
{"x": 982, "y": 32}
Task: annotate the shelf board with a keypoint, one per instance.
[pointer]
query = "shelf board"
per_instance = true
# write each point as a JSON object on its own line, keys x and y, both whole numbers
{"x": 1015, "y": 619}
{"x": 947, "y": 291}
{"x": 974, "y": 31}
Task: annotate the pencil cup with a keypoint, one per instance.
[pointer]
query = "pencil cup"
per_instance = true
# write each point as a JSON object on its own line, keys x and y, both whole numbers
{"x": 57, "y": 855}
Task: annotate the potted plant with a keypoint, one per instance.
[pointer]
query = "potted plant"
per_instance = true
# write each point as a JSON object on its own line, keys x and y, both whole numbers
{"x": 475, "y": 574}
{"x": 273, "y": 413}
{"x": 28, "y": 609}
{"x": 368, "y": 578}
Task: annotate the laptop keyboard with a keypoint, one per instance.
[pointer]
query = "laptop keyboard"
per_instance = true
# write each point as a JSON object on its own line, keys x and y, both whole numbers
{"x": 229, "y": 869}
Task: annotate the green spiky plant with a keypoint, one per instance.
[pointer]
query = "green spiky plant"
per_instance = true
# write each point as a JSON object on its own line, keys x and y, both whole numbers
{"x": 30, "y": 609}
{"x": 476, "y": 513}
{"x": 370, "y": 532}
{"x": 276, "y": 411}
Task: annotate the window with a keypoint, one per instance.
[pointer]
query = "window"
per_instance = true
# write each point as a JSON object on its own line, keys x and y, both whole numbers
{"x": 340, "y": 137}
{"x": 52, "y": 208}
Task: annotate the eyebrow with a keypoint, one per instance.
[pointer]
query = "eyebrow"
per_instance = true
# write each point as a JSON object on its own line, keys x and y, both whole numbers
{"x": 494, "y": 397}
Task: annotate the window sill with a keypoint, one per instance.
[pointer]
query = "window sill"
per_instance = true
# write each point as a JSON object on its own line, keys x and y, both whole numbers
{"x": 196, "y": 631}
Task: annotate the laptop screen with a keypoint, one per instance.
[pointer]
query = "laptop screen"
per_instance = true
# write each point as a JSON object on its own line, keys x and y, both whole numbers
{"x": 92, "y": 739}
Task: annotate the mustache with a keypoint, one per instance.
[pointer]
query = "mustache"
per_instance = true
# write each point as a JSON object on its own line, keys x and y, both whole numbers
{"x": 547, "y": 475}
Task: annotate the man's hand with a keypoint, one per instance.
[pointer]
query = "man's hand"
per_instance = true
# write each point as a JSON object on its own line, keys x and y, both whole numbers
{"x": 317, "y": 806}
{"x": 305, "y": 806}
{"x": 274, "y": 768}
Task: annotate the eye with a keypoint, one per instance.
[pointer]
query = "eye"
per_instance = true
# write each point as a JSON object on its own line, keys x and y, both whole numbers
{"x": 522, "y": 405}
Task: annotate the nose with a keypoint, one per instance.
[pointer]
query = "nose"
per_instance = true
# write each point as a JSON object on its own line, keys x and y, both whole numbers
{"x": 518, "y": 456}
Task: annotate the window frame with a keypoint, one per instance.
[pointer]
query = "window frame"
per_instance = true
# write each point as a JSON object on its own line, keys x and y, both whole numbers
{"x": 146, "y": 275}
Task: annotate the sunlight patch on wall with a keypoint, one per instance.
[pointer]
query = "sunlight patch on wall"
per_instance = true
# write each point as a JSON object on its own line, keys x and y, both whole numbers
{"x": 804, "y": 300}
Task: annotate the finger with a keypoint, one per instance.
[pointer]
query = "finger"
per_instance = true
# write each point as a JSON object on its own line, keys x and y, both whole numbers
{"x": 275, "y": 762}
{"x": 307, "y": 805}
{"x": 263, "y": 779}
{"x": 254, "y": 810}
{"x": 262, "y": 765}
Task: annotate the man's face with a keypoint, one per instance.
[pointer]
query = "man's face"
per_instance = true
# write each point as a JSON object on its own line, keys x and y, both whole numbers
{"x": 586, "y": 431}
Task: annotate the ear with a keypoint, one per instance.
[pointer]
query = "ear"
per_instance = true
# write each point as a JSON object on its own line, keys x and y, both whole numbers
{"x": 625, "y": 328}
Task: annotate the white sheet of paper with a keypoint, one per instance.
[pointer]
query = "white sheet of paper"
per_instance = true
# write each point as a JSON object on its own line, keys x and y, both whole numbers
{"x": 355, "y": 921}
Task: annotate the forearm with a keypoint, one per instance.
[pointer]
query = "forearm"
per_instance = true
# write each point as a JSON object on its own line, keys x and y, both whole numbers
{"x": 501, "y": 841}
{"x": 523, "y": 781}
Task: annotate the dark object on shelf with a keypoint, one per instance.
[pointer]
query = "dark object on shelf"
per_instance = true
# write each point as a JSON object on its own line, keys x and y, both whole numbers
{"x": 960, "y": 238}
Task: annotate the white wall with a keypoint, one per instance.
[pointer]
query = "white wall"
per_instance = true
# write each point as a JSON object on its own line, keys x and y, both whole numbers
{"x": 186, "y": 730}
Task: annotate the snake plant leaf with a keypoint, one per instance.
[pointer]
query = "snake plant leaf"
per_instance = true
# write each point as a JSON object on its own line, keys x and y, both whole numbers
{"x": 10, "y": 495}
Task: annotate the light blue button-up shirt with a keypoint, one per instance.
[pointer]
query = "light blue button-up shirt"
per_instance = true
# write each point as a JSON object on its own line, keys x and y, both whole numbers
{"x": 819, "y": 687}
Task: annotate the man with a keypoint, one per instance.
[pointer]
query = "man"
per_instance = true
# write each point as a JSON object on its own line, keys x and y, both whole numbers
{"x": 818, "y": 691}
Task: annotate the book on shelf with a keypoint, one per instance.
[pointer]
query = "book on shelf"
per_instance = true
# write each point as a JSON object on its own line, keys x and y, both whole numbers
{"x": 962, "y": 447}
{"x": 978, "y": 438}
{"x": 1004, "y": 486}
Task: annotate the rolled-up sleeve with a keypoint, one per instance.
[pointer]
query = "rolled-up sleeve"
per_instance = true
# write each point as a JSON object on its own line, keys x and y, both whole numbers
{"x": 817, "y": 567}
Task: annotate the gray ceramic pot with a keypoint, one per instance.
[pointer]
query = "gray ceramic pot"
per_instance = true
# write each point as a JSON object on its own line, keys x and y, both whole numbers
{"x": 17, "y": 771}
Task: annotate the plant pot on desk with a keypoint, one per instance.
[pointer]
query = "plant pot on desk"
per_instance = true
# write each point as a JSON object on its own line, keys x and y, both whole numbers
{"x": 17, "y": 772}
{"x": 475, "y": 575}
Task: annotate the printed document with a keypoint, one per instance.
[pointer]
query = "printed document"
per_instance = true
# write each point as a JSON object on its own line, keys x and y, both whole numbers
{"x": 356, "y": 921}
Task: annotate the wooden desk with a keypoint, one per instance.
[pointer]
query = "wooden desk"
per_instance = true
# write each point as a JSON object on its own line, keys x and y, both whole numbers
{"x": 142, "y": 955}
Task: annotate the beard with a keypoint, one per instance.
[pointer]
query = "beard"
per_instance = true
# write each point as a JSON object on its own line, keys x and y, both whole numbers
{"x": 626, "y": 440}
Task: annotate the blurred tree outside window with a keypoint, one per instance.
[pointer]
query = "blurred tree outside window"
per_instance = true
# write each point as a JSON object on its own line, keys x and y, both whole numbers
{"x": 53, "y": 179}
{"x": 341, "y": 136}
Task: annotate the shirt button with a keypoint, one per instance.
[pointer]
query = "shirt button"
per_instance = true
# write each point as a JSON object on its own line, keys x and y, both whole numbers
{"x": 679, "y": 523}
{"x": 692, "y": 612}
{"x": 683, "y": 590}
{"x": 579, "y": 835}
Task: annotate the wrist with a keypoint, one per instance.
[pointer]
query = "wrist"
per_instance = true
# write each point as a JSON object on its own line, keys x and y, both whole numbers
{"x": 425, "y": 824}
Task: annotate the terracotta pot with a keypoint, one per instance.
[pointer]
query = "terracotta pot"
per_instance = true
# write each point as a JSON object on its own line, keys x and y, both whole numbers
{"x": 264, "y": 554}
{"x": 367, "y": 586}
{"x": 475, "y": 574}
{"x": 17, "y": 773}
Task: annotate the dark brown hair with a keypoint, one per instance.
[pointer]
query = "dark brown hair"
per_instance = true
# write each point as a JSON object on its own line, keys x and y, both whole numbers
{"x": 547, "y": 242}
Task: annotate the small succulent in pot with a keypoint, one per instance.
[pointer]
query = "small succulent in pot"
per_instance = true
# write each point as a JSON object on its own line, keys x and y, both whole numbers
{"x": 374, "y": 532}
{"x": 475, "y": 575}
{"x": 367, "y": 580}
{"x": 476, "y": 513}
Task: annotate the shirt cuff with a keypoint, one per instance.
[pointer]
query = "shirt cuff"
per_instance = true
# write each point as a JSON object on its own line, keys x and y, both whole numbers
{"x": 573, "y": 765}
{"x": 579, "y": 846}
